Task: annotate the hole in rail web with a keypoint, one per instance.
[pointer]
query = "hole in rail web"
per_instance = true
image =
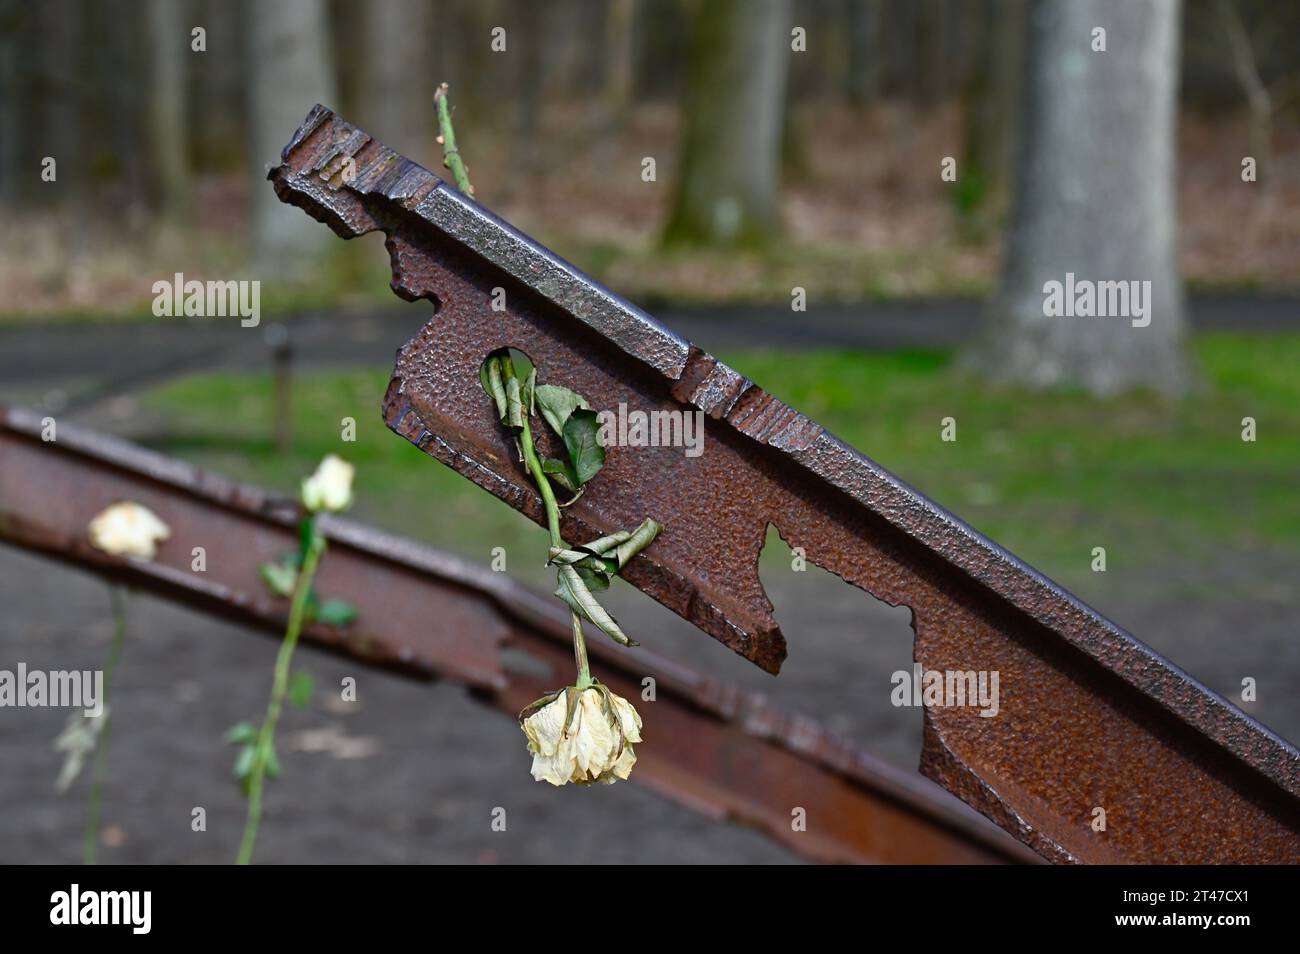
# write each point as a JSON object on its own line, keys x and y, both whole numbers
{"x": 844, "y": 647}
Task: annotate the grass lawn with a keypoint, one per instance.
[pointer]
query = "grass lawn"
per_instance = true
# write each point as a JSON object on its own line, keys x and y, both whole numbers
{"x": 1049, "y": 477}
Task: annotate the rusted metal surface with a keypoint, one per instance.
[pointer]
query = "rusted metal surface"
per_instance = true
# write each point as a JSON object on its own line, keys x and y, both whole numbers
{"x": 1090, "y": 717}
{"x": 428, "y": 614}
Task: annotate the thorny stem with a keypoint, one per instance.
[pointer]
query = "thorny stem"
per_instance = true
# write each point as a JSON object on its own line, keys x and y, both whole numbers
{"x": 280, "y": 685}
{"x": 553, "y": 522}
{"x": 447, "y": 136}
{"x": 117, "y": 599}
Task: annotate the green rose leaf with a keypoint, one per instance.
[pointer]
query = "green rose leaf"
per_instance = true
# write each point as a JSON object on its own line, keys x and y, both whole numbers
{"x": 279, "y": 578}
{"x": 585, "y": 452}
{"x": 530, "y": 392}
{"x": 595, "y": 580}
{"x": 244, "y": 765}
{"x": 574, "y": 591}
{"x": 603, "y": 544}
{"x": 510, "y": 378}
{"x": 336, "y": 613}
{"x": 300, "y": 689}
{"x": 641, "y": 538}
{"x": 77, "y": 742}
{"x": 489, "y": 375}
{"x": 611, "y": 553}
{"x": 557, "y": 403}
{"x": 562, "y": 473}
{"x": 514, "y": 403}
{"x": 581, "y": 558}
{"x": 244, "y": 732}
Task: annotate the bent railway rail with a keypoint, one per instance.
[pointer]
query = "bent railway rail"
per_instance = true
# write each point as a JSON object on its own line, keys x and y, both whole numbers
{"x": 427, "y": 614}
{"x": 1090, "y": 717}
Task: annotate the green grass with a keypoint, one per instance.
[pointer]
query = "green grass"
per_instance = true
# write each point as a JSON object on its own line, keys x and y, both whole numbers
{"x": 1048, "y": 476}
{"x": 1051, "y": 476}
{"x": 223, "y": 422}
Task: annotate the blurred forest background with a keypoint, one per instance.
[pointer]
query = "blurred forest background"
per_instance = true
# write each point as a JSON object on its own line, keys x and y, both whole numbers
{"x": 161, "y": 149}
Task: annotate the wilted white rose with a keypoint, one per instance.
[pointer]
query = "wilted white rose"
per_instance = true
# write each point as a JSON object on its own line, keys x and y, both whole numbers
{"x": 128, "y": 529}
{"x": 595, "y": 746}
{"x": 330, "y": 488}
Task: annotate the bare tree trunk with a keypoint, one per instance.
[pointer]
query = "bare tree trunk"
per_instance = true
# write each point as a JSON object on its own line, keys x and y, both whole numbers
{"x": 118, "y": 125}
{"x": 169, "y": 40}
{"x": 59, "y": 45}
{"x": 1257, "y": 95}
{"x": 530, "y": 80}
{"x": 864, "y": 68}
{"x": 290, "y": 70}
{"x": 620, "y": 47}
{"x": 12, "y": 157}
{"x": 731, "y": 148}
{"x": 929, "y": 77}
{"x": 1094, "y": 203}
{"x": 396, "y": 94}
{"x": 992, "y": 98}
{"x": 218, "y": 85}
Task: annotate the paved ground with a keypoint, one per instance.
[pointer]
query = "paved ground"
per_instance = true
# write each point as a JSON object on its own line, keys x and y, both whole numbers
{"x": 412, "y": 772}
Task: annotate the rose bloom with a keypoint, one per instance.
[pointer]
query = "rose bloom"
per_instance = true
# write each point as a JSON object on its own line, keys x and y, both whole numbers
{"x": 128, "y": 529}
{"x": 591, "y": 749}
{"x": 330, "y": 488}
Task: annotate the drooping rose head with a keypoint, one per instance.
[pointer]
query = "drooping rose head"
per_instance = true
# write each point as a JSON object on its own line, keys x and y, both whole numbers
{"x": 330, "y": 488}
{"x": 583, "y": 736}
{"x": 128, "y": 529}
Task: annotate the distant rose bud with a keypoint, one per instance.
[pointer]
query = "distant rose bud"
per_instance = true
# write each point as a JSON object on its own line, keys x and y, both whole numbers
{"x": 330, "y": 488}
{"x": 583, "y": 740}
{"x": 128, "y": 529}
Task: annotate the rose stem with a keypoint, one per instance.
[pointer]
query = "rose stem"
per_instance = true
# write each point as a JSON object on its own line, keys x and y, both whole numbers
{"x": 116, "y": 597}
{"x": 266, "y": 737}
{"x": 553, "y": 521}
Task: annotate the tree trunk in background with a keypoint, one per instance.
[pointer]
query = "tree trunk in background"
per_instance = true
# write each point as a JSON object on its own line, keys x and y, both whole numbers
{"x": 118, "y": 126}
{"x": 992, "y": 98}
{"x": 728, "y": 177}
{"x": 930, "y": 71}
{"x": 864, "y": 70}
{"x": 620, "y": 59}
{"x": 169, "y": 44}
{"x": 217, "y": 88}
{"x": 396, "y": 83}
{"x": 13, "y": 162}
{"x": 1094, "y": 196}
{"x": 290, "y": 70}
{"x": 530, "y": 79}
{"x": 59, "y": 121}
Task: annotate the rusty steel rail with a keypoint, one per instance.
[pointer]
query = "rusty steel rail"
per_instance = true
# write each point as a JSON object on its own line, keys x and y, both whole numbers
{"x": 722, "y": 752}
{"x": 1090, "y": 717}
